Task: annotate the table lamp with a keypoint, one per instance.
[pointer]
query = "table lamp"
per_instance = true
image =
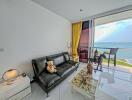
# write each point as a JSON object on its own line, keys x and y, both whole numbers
{"x": 10, "y": 75}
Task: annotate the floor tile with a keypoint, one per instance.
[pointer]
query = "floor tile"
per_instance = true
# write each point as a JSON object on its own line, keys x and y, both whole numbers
{"x": 114, "y": 84}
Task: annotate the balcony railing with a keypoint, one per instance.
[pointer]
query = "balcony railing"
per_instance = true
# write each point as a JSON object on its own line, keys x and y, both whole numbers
{"x": 123, "y": 56}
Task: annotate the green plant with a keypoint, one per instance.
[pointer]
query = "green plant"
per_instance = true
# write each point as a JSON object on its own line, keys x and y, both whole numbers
{"x": 121, "y": 62}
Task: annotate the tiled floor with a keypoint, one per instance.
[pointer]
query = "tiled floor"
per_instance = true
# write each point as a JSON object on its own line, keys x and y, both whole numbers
{"x": 113, "y": 85}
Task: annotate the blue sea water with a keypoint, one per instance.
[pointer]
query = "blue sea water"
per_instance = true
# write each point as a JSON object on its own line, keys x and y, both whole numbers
{"x": 125, "y": 48}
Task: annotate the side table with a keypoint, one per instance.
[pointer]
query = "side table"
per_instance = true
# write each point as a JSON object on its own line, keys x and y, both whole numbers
{"x": 19, "y": 88}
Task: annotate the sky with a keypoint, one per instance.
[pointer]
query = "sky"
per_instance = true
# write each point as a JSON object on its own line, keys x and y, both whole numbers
{"x": 120, "y": 31}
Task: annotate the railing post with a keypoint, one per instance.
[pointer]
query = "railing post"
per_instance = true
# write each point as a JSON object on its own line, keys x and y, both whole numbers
{"x": 115, "y": 60}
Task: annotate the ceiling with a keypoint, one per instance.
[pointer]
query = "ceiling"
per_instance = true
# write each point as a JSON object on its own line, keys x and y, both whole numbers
{"x": 70, "y": 9}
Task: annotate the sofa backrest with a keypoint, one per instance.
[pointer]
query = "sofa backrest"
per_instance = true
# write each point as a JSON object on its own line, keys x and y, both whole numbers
{"x": 39, "y": 65}
{"x": 66, "y": 56}
{"x": 56, "y": 58}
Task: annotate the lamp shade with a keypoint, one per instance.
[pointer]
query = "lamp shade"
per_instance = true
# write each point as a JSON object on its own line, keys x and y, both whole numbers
{"x": 10, "y": 74}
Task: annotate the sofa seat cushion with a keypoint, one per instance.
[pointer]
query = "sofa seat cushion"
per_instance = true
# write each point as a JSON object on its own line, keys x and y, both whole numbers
{"x": 48, "y": 79}
{"x": 61, "y": 69}
{"x": 73, "y": 63}
{"x": 68, "y": 71}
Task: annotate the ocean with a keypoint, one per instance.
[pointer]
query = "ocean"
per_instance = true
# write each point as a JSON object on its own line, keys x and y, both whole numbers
{"x": 124, "y": 52}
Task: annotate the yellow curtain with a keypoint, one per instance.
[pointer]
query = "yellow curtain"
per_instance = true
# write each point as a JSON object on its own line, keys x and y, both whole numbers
{"x": 76, "y": 32}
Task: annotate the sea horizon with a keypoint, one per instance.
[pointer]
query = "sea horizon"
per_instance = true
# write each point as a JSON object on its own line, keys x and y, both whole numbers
{"x": 124, "y": 52}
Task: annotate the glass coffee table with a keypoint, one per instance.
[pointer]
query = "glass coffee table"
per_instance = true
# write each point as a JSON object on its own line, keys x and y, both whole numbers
{"x": 111, "y": 84}
{"x": 84, "y": 84}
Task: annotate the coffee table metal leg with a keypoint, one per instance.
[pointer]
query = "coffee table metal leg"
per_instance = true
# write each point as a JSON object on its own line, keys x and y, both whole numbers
{"x": 72, "y": 90}
{"x": 87, "y": 98}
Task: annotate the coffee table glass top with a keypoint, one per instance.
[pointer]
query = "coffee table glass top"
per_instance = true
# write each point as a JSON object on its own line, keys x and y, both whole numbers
{"x": 85, "y": 82}
{"x": 112, "y": 84}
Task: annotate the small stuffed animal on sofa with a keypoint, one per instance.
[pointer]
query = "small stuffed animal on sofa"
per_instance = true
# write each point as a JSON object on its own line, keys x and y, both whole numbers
{"x": 51, "y": 67}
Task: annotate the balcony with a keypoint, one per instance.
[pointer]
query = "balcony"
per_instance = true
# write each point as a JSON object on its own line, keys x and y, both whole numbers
{"x": 123, "y": 58}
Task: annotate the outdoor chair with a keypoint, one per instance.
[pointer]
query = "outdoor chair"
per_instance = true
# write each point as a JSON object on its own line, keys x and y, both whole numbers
{"x": 112, "y": 52}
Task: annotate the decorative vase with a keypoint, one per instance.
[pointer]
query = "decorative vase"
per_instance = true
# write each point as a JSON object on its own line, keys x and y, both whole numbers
{"x": 89, "y": 68}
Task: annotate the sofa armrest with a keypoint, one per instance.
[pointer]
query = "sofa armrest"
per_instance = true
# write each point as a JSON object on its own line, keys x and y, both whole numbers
{"x": 71, "y": 58}
{"x": 34, "y": 69}
{"x": 76, "y": 59}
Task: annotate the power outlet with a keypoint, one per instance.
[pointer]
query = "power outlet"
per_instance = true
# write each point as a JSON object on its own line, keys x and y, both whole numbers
{"x": 1, "y": 49}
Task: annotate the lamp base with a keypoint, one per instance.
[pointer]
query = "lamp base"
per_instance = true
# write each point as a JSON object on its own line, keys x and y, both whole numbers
{"x": 9, "y": 82}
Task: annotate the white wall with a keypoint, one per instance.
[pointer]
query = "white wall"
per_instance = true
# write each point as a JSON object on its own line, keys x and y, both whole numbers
{"x": 27, "y": 31}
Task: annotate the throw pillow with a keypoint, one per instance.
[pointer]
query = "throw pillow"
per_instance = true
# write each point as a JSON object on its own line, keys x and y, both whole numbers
{"x": 67, "y": 58}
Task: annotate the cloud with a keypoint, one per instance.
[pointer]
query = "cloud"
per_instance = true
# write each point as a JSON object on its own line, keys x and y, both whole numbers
{"x": 114, "y": 32}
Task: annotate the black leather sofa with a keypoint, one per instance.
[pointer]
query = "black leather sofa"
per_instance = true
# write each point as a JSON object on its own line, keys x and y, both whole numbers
{"x": 64, "y": 66}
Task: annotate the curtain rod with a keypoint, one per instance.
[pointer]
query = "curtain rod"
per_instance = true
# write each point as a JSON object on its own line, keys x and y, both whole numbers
{"x": 112, "y": 14}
